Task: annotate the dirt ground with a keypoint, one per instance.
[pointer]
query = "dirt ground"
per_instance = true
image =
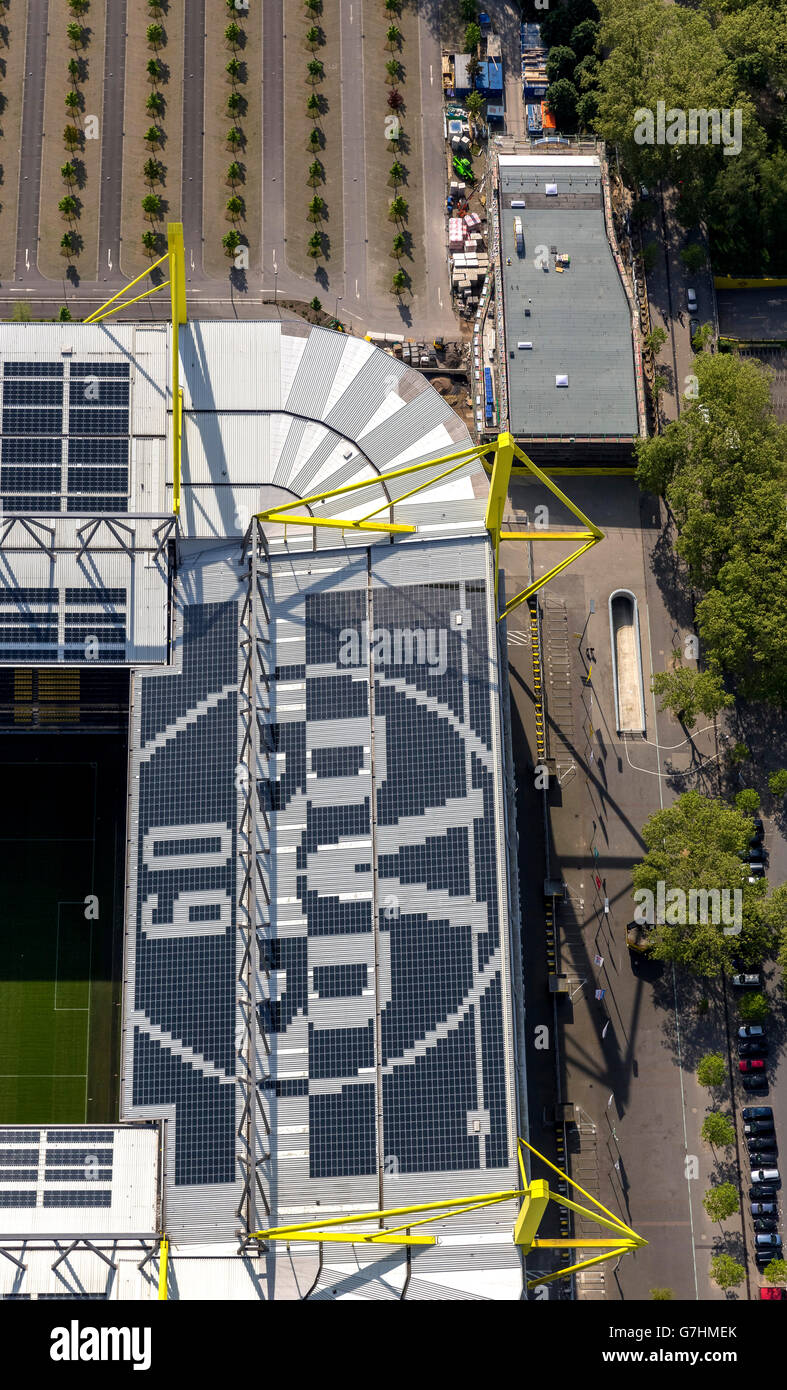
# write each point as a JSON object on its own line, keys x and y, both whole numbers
{"x": 298, "y": 124}
{"x": 51, "y": 223}
{"x": 12, "y": 56}
{"x": 133, "y": 259}
{"x": 379, "y": 158}
{"x": 217, "y": 155}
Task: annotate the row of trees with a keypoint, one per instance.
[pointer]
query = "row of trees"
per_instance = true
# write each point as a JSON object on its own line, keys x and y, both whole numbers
{"x": 155, "y": 106}
{"x": 316, "y": 106}
{"x": 398, "y": 209}
{"x": 237, "y": 106}
{"x": 73, "y": 171}
{"x": 721, "y": 469}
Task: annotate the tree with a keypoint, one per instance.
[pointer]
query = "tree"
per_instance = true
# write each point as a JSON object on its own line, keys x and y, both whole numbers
{"x": 74, "y": 70}
{"x": 152, "y": 136}
{"x": 150, "y": 241}
{"x": 235, "y": 103}
{"x": 777, "y": 783}
{"x": 234, "y": 137}
{"x": 393, "y": 36}
{"x": 313, "y": 141}
{"x": 394, "y": 69}
{"x": 315, "y": 304}
{"x": 694, "y": 846}
{"x": 718, "y": 1130}
{"x": 721, "y": 1202}
{"x": 398, "y": 208}
{"x": 233, "y": 69}
{"x": 231, "y": 241}
{"x": 584, "y": 37}
{"x": 68, "y": 243}
{"x": 775, "y": 1272}
{"x": 661, "y": 1295}
{"x": 474, "y": 103}
{"x": 561, "y": 62}
{"x": 234, "y": 173}
{"x": 313, "y": 36}
{"x": 316, "y": 172}
{"x": 152, "y": 170}
{"x": 392, "y": 6}
{"x": 398, "y": 244}
{"x": 21, "y": 311}
{"x": 468, "y": 11}
{"x": 396, "y": 172}
{"x": 561, "y": 99}
{"x": 313, "y": 6}
{"x": 235, "y": 206}
{"x": 316, "y": 208}
{"x": 233, "y": 34}
{"x": 712, "y": 1070}
{"x": 155, "y": 104}
{"x": 73, "y": 100}
{"x": 155, "y": 35}
{"x": 395, "y": 99}
{"x": 76, "y": 35}
{"x": 151, "y": 205}
{"x": 71, "y": 137}
{"x": 748, "y": 801}
{"x": 655, "y": 339}
{"x": 313, "y": 106}
{"x": 154, "y": 69}
{"x": 68, "y": 206}
{"x": 650, "y": 254}
{"x": 314, "y": 245}
{"x": 78, "y": 6}
{"x": 753, "y": 1007}
{"x": 694, "y": 257}
{"x": 687, "y": 693}
{"x": 472, "y": 39}
{"x": 64, "y": 315}
{"x": 68, "y": 172}
{"x": 726, "y": 1272}
{"x": 398, "y": 282}
{"x": 315, "y": 70}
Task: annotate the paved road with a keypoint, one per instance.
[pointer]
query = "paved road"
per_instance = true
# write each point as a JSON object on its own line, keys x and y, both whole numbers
{"x": 193, "y": 136}
{"x": 32, "y": 131}
{"x": 274, "y": 253}
{"x": 436, "y": 311}
{"x": 111, "y": 202}
{"x": 667, "y": 285}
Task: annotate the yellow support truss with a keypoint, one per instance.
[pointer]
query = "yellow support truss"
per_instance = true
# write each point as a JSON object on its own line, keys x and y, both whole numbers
{"x": 504, "y": 451}
{"x": 176, "y": 261}
{"x": 536, "y": 1196}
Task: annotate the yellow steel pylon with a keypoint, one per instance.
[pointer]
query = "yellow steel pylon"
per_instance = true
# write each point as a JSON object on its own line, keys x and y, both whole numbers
{"x": 505, "y": 451}
{"x": 176, "y": 259}
{"x": 536, "y": 1195}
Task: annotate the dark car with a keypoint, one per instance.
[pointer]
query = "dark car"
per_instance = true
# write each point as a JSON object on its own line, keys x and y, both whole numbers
{"x": 758, "y": 1127}
{"x": 752, "y": 1047}
{"x": 765, "y": 1223}
{"x": 768, "y": 1157}
{"x": 757, "y": 1112}
{"x": 754, "y": 1064}
{"x": 764, "y": 1209}
{"x": 756, "y": 854}
{"x": 755, "y": 1083}
{"x": 759, "y": 831}
{"x": 758, "y": 1143}
{"x": 762, "y": 1192}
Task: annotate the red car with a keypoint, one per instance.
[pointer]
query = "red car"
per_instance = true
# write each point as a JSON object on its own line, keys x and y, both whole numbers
{"x": 770, "y": 1292}
{"x": 752, "y": 1064}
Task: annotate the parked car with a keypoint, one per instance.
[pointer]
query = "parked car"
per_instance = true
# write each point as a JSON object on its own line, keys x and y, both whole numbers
{"x": 771, "y": 1291}
{"x": 771, "y": 1176}
{"x": 762, "y": 1192}
{"x": 757, "y": 1112}
{"x": 746, "y": 981}
{"x": 765, "y": 1225}
{"x": 758, "y": 1127}
{"x": 768, "y": 1242}
{"x": 758, "y": 1082}
{"x": 759, "y": 831}
{"x": 756, "y": 854}
{"x": 769, "y": 1156}
{"x": 694, "y": 327}
{"x": 756, "y": 871}
{"x": 764, "y": 1209}
{"x": 752, "y": 1064}
{"x": 759, "y": 1143}
{"x": 691, "y": 300}
{"x": 752, "y": 1047}
{"x": 753, "y": 1030}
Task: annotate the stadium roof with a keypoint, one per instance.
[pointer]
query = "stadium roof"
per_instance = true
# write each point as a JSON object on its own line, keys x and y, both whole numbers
{"x": 578, "y": 321}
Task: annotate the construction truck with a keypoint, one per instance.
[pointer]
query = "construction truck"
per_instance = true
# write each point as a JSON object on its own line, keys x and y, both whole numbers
{"x": 520, "y": 236}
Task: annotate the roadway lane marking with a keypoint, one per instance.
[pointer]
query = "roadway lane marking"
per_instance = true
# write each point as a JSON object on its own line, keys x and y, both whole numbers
{"x": 431, "y": 75}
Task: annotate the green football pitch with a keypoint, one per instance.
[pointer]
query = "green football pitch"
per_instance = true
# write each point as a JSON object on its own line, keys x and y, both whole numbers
{"x": 59, "y": 963}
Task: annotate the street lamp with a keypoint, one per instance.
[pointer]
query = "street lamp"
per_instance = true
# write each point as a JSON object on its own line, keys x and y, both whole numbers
{"x": 336, "y": 307}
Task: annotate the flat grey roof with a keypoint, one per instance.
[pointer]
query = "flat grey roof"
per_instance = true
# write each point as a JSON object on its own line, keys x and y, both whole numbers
{"x": 579, "y": 321}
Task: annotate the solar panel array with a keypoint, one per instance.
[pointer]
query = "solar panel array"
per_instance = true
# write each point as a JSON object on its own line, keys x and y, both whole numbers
{"x": 65, "y": 436}
{"x": 56, "y": 1168}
